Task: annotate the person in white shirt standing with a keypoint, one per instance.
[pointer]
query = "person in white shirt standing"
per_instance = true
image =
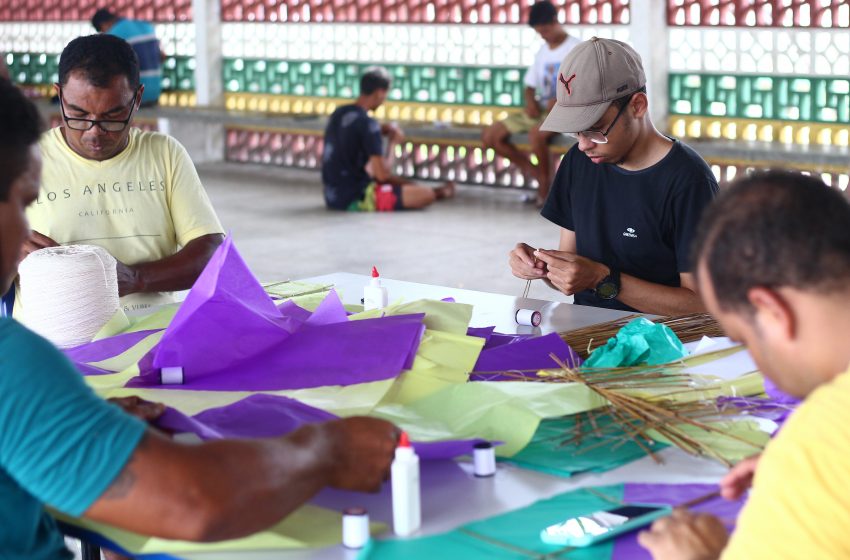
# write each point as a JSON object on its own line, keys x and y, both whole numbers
{"x": 541, "y": 80}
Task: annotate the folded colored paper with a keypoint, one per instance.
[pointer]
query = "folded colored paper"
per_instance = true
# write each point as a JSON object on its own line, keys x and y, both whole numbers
{"x": 524, "y": 357}
{"x": 516, "y": 534}
{"x": 229, "y": 335}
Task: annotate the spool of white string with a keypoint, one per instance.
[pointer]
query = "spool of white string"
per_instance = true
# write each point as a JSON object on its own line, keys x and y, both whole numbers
{"x": 68, "y": 293}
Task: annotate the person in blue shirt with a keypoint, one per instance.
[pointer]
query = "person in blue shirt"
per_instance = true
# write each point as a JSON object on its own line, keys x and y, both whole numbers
{"x": 62, "y": 446}
{"x": 355, "y": 174}
{"x": 142, "y": 37}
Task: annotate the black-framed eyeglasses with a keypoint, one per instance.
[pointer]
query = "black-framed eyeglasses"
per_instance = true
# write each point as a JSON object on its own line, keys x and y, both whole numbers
{"x": 106, "y": 125}
{"x": 597, "y": 136}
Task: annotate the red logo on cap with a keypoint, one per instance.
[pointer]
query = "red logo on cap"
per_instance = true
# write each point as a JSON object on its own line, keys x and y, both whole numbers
{"x": 566, "y": 82}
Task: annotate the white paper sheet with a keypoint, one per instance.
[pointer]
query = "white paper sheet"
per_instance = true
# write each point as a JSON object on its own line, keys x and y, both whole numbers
{"x": 730, "y": 367}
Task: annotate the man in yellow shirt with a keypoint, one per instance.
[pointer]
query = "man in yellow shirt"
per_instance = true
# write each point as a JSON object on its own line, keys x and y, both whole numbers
{"x": 105, "y": 183}
{"x": 773, "y": 268}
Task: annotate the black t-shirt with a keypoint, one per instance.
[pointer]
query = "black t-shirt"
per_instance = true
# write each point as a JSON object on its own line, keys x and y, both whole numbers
{"x": 641, "y": 223}
{"x": 351, "y": 138}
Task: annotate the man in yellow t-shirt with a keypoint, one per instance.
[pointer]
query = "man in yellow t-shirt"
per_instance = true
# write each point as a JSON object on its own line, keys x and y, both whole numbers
{"x": 774, "y": 270}
{"x": 134, "y": 193}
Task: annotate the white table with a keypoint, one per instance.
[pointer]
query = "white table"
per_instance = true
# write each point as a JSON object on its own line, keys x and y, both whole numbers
{"x": 489, "y": 309}
{"x": 460, "y": 497}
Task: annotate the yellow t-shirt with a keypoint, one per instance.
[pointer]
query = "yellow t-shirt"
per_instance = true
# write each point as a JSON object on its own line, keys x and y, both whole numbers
{"x": 799, "y": 506}
{"x": 141, "y": 205}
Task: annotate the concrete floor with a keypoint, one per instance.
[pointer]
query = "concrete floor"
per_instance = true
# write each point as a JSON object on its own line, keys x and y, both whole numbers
{"x": 282, "y": 229}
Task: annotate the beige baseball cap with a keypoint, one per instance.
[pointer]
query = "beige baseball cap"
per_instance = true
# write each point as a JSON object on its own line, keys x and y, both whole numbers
{"x": 593, "y": 74}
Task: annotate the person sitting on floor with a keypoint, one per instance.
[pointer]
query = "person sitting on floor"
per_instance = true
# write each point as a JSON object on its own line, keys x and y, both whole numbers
{"x": 773, "y": 266}
{"x": 541, "y": 81}
{"x": 142, "y": 37}
{"x": 355, "y": 174}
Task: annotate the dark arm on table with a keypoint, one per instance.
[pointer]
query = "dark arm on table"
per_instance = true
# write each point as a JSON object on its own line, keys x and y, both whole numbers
{"x": 176, "y": 272}
{"x": 227, "y": 489}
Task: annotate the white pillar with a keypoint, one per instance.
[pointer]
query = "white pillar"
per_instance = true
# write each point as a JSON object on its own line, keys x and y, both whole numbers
{"x": 208, "y": 58}
{"x": 649, "y": 36}
{"x": 202, "y": 138}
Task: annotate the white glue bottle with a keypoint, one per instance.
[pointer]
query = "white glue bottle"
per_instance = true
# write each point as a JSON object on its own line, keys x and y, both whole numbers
{"x": 404, "y": 474}
{"x": 375, "y": 295}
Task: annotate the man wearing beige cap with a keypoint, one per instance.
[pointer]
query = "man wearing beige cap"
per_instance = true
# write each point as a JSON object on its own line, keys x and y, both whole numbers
{"x": 627, "y": 197}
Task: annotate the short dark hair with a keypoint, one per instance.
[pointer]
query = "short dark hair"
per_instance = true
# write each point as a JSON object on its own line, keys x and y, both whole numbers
{"x": 621, "y": 102}
{"x": 374, "y": 79}
{"x": 102, "y": 16}
{"x": 774, "y": 229}
{"x": 542, "y": 13}
{"x": 20, "y": 127}
{"x": 100, "y": 58}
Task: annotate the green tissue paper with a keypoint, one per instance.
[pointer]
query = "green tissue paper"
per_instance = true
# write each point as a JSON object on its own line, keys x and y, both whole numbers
{"x": 639, "y": 342}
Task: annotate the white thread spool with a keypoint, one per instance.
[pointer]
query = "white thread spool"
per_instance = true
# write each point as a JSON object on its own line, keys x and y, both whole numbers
{"x": 483, "y": 459}
{"x": 528, "y": 317}
{"x": 68, "y": 293}
{"x": 171, "y": 376}
{"x": 355, "y": 527}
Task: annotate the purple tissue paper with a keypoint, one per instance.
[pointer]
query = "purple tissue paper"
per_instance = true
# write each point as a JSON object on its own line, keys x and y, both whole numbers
{"x": 529, "y": 354}
{"x": 229, "y": 336}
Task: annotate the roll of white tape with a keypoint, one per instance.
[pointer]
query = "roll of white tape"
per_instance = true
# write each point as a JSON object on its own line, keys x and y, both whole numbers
{"x": 355, "y": 527}
{"x": 528, "y": 317}
{"x": 171, "y": 376}
{"x": 483, "y": 459}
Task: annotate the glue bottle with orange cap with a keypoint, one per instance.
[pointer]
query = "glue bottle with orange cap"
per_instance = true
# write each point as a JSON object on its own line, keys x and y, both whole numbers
{"x": 375, "y": 295}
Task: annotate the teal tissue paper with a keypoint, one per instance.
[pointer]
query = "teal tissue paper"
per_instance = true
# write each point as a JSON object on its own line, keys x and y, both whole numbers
{"x": 639, "y": 342}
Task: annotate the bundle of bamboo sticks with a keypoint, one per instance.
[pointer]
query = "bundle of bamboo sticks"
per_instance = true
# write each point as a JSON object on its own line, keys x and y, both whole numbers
{"x": 635, "y": 416}
{"x": 687, "y": 327}
{"x": 631, "y": 415}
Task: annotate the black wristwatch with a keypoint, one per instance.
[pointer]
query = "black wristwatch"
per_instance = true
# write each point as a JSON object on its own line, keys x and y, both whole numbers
{"x": 609, "y": 287}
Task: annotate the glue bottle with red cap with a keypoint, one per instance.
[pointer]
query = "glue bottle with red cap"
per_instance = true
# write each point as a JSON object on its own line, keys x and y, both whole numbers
{"x": 404, "y": 475}
{"x": 375, "y": 295}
